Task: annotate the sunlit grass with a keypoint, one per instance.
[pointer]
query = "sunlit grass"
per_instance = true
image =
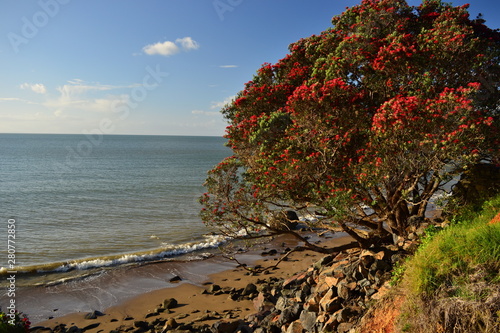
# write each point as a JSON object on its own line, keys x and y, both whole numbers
{"x": 455, "y": 255}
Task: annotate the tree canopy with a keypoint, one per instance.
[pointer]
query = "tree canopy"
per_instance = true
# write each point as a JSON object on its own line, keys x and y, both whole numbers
{"x": 361, "y": 124}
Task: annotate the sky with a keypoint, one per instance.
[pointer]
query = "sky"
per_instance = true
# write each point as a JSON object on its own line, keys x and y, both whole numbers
{"x": 150, "y": 67}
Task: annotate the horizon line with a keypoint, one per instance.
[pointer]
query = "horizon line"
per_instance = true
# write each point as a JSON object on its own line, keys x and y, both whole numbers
{"x": 113, "y": 134}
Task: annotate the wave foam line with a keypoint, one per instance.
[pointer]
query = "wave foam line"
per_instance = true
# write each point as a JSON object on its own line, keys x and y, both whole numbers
{"x": 168, "y": 250}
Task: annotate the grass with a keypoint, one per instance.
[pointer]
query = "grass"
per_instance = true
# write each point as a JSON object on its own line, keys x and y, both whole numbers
{"x": 452, "y": 256}
{"x": 452, "y": 282}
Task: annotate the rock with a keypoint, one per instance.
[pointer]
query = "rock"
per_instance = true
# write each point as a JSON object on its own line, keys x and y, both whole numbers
{"x": 175, "y": 279}
{"x": 40, "y": 329}
{"x": 364, "y": 283}
{"x": 290, "y": 314}
{"x": 308, "y": 320}
{"x": 170, "y": 303}
{"x": 343, "y": 291}
{"x": 344, "y": 327}
{"x": 370, "y": 292}
{"x": 234, "y": 296}
{"x": 74, "y": 329}
{"x": 410, "y": 246}
{"x": 225, "y": 327}
{"x": 282, "y": 303}
{"x": 295, "y": 327}
{"x": 363, "y": 271}
{"x": 344, "y": 314}
{"x": 330, "y": 294}
{"x": 94, "y": 315}
{"x": 208, "y": 316}
{"x": 291, "y": 216}
{"x": 249, "y": 289}
{"x": 323, "y": 262}
{"x": 170, "y": 325}
{"x": 213, "y": 288}
{"x": 331, "y": 324}
{"x": 321, "y": 320}
{"x": 296, "y": 279}
{"x": 263, "y": 302}
{"x": 331, "y": 305}
{"x": 300, "y": 296}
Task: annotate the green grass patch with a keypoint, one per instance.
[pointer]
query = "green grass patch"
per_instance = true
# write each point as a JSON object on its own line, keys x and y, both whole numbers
{"x": 455, "y": 255}
{"x": 452, "y": 283}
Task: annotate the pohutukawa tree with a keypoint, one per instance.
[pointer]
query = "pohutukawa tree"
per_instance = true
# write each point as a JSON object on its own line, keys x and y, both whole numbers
{"x": 361, "y": 124}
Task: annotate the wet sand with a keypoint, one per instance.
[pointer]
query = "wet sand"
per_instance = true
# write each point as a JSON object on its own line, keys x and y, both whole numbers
{"x": 196, "y": 276}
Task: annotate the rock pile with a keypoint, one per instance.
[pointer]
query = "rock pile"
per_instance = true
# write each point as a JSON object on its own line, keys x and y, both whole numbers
{"x": 330, "y": 296}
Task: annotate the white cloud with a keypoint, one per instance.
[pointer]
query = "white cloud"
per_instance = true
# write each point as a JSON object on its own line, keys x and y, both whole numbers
{"x": 16, "y": 99}
{"x": 77, "y": 86}
{"x": 165, "y": 49}
{"x": 228, "y": 66}
{"x": 205, "y": 113}
{"x": 187, "y": 43}
{"x": 169, "y": 48}
{"x": 219, "y": 105}
{"x": 81, "y": 95}
{"x": 37, "y": 87}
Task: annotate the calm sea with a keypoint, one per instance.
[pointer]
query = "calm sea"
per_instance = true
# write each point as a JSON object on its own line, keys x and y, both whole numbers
{"x": 82, "y": 202}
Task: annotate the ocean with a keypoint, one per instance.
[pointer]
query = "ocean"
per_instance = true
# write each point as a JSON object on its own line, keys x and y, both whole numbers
{"x": 83, "y": 203}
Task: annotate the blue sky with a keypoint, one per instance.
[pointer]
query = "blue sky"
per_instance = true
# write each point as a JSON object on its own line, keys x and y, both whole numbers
{"x": 159, "y": 67}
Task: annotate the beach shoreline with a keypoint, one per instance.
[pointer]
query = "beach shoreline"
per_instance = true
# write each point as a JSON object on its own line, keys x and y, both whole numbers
{"x": 194, "y": 304}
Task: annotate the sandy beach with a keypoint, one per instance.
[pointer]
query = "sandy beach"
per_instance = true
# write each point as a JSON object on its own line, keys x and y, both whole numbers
{"x": 194, "y": 304}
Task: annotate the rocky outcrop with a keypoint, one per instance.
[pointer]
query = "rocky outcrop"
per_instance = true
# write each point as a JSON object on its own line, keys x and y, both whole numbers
{"x": 330, "y": 296}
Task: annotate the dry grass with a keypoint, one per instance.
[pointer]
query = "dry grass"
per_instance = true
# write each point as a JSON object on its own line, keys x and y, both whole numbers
{"x": 446, "y": 314}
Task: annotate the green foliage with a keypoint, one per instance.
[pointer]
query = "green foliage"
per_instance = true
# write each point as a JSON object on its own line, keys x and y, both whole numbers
{"x": 14, "y": 323}
{"x": 398, "y": 272}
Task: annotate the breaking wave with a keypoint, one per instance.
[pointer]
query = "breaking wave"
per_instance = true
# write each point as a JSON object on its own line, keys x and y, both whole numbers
{"x": 167, "y": 251}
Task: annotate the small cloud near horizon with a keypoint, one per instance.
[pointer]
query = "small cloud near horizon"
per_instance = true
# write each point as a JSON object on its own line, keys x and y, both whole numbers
{"x": 228, "y": 66}
{"x": 37, "y": 87}
{"x": 169, "y": 48}
{"x": 220, "y": 105}
{"x": 205, "y": 113}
